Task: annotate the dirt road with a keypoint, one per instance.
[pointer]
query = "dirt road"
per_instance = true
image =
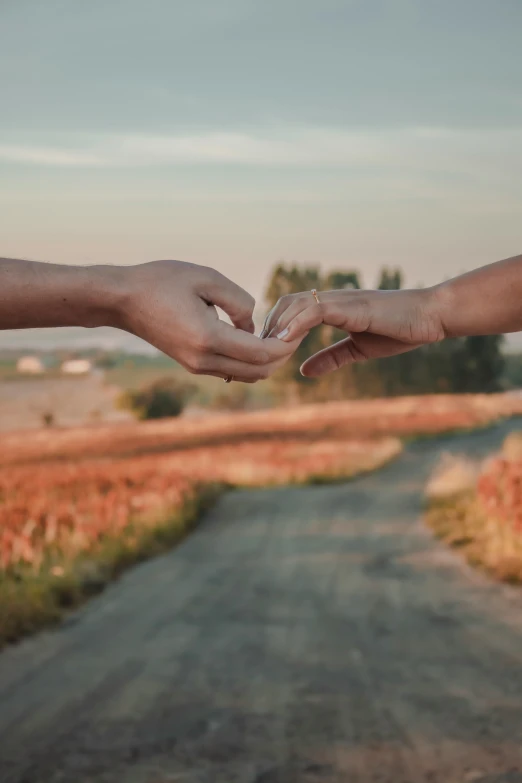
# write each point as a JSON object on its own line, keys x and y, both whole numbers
{"x": 304, "y": 635}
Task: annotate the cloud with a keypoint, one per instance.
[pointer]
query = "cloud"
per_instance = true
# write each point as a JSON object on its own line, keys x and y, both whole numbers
{"x": 47, "y": 156}
{"x": 290, "y": 148}
{"x": 497, "y": 151}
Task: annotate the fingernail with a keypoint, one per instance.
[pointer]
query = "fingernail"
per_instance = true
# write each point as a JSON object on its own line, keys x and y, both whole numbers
{"x": 283, "y": 334}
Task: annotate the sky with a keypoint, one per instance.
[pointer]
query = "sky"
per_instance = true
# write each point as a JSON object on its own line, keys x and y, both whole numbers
{"x": 239, "y": 133}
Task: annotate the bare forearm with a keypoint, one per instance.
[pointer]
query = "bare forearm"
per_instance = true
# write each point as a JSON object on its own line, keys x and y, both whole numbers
{"x": 34, "y": 294}
{"x": 485, "y": 301}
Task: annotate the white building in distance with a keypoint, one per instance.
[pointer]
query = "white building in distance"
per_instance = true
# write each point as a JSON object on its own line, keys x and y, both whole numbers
{"x": 77, "y": 367}
{"x": 31, "y": 365}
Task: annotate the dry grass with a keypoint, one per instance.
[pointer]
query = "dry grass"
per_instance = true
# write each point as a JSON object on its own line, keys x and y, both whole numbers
{"x": 478, "y": 508}
{"x": 454, "y": 475}
{"x": 512, "y": 447}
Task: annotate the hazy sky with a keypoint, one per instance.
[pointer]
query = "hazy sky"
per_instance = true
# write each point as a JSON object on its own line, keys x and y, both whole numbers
{"x": 239, "y": 132}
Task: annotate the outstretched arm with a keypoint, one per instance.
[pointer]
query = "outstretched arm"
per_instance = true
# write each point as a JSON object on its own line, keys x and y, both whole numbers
{"x": 485, "y": 301}
{"x": 385, "y": 323}
{"x": 170, "y": 304}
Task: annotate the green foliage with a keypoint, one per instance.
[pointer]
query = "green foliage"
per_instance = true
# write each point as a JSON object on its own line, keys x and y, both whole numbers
{"x": 390, "y": 280}
{"x": 512, "y": 372}
{"x": 338, "y": 279}
{"x": 163, "y": 398}
{"x": 479, "y": 364}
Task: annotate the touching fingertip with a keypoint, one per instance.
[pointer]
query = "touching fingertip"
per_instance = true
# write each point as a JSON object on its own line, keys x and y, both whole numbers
{"x": 284, "y": 334}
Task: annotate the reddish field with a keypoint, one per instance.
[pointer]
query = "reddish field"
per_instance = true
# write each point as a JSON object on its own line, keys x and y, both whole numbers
{"x": 71, "y": 508}
{"x": 499, "y": 492}
{"x": 115, "y": 475}
{"x": 403, "y": 416}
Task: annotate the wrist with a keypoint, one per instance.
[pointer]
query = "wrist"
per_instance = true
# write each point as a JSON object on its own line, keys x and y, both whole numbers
{"x": 107, "y": 296}
{"x": 442, "y": 305}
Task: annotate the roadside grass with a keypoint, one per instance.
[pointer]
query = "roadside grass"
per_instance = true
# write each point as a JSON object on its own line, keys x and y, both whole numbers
{"x": 475, "y": 508}
{"x": 31, "y": 600}
{"x": 484, "y": 542}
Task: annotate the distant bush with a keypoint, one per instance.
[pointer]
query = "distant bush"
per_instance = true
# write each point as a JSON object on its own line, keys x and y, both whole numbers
{"x": 106, "y": 362}
{"x": 48, "y": 419}
{"x": 164, "y": 398}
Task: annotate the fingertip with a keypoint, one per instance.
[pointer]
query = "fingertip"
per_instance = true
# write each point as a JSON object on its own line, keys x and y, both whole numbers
{"x": 307, "y": 369}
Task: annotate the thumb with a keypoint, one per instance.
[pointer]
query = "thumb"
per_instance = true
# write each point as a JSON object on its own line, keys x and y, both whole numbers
{"x": 237, "y": 303}
{"x": 329, "y": 359}
{"x": 358, "y": 348}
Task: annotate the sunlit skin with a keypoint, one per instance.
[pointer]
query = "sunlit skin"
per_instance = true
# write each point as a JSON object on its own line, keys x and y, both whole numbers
{"x": 385, "y": 323}
{"x": 170, "y": 304}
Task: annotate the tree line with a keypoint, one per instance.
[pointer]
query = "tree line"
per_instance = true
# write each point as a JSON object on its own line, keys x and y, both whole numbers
{"x": 471, "y": 364}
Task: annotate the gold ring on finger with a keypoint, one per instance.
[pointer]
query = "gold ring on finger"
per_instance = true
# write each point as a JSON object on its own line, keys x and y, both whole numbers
{"x": 315, "y": 295}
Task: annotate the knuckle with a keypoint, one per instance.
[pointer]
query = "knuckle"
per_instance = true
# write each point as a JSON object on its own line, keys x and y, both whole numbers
{"x": 203, "y": 342}
{"x": 259, "y": 358}
{"x": 263, "y": 374}
{"x": 195, "y": 363}
{"x": 212, "y": 275}
{"x": 193, "y": 367}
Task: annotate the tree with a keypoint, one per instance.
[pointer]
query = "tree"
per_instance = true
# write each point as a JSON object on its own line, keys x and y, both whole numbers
{"x": 478, "y": 364}
{"x": 390, "y": 279}
{"x": 338, "y": 279}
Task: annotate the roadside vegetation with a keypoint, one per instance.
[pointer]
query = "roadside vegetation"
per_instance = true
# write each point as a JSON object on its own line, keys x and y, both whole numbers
{"x": 477, "y": 508}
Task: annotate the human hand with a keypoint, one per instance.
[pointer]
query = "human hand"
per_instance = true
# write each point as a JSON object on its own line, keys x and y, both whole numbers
{"x": 172, "y": 305}
{"x": 380, "y": 324}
